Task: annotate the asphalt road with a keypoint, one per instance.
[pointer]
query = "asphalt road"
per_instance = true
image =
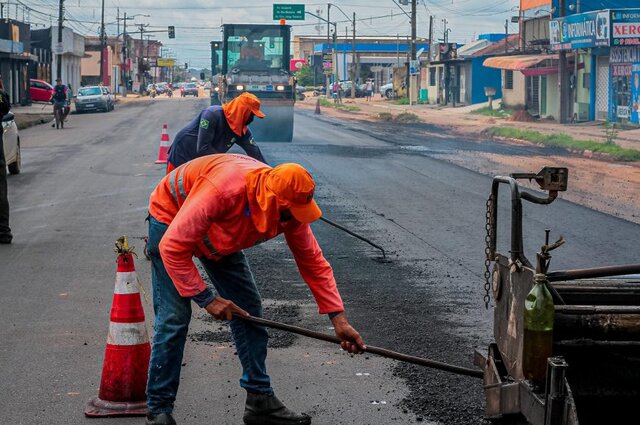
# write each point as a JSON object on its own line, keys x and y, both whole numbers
{"x": 84, "y": 186}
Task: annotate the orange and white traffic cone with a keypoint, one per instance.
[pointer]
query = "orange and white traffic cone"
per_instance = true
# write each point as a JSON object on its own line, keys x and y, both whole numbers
{"x": 165, "y": 144}
{"x": 126, "y": 357}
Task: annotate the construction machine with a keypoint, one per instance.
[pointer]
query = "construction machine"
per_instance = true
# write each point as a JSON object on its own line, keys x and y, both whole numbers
{"x": 567, "y": 342}
{"x": 254, "y": 58}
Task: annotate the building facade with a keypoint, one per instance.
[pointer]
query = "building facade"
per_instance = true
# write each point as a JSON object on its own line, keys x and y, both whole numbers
{"x": 68, "y": 53}
{"x": 15, "y": 58}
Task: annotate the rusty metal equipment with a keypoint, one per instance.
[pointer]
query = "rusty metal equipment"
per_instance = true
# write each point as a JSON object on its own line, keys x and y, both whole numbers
{"x": 593, "y": 376}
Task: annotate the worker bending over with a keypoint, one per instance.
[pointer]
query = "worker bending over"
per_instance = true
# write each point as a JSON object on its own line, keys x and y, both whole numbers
{"x": 212, "y": 208}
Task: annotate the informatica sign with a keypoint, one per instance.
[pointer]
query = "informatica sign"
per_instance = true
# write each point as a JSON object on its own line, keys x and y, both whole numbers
{"x": 580, "y": 31}
{"x": 625, "y": 27}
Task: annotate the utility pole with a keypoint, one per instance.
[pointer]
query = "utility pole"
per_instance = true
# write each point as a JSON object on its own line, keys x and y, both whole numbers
{"x": 328, "y": 79}
{"x": 446, "y": 33}
{"x": 413, "y": 79}
{"x": 59, "y": 46}
{"x": 506, "y": 35}
{"x": 141, "y": 57}
{"x": 430, "y": 30}
{"x": 125, "y": 55}
{"x": 353, "y": 58}
{"x": 102, "y": 45}
{"x": 563, "y": 77}
{"x": 413, "y": 29}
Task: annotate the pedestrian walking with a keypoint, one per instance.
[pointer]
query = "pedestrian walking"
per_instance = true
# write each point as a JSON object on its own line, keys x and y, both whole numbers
{"x": 212, "y": 208}
{"x": 216, "y": 129}
{"x": 5, "y": 230}
{"x": 369, "y": 89}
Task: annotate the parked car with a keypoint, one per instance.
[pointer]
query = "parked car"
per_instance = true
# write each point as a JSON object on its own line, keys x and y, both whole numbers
{"x": 11, "y": 143}
{"x": 41, "y": 91}
{"x": 189, "y": 89}
{"x": 346, "y": 89}
{"x": 94, "y": 98}
{"x": 387, "y": 90}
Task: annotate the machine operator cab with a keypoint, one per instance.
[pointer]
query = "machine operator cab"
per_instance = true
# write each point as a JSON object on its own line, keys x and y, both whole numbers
{"x": 253, "y": 48}
{"x": 255, "y": 58}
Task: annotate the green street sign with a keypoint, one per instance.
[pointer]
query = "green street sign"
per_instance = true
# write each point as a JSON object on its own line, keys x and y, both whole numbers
{"x": 291, "y": 12}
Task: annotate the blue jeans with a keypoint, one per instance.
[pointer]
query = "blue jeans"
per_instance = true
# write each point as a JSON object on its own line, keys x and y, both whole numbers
{"x": 233, "y": 280}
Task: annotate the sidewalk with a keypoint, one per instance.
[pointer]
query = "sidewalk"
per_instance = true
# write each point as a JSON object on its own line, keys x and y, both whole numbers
{"x": 34, "y": 114}
{"x": 462, "y": 121}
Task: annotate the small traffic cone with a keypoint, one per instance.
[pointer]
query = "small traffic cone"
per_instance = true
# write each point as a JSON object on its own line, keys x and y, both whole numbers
{"x": 165, "y": 144}
{"x": 126, "y": 357}
{"x": 317, "y": 112}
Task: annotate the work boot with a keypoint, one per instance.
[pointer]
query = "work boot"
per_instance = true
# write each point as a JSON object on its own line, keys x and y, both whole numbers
{"x": 6, "y": 238}
{"x": 159, "y": 419}
{"x": 265, "y": 409}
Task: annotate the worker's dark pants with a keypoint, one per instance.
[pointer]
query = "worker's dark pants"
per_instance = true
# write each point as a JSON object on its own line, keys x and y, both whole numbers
{"x": 233, "y": 280}
{"x": 5, "y": 231}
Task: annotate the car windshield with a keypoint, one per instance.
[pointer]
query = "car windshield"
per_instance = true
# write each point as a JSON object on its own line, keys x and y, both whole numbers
{"x": 190, "y": 86}
{"x": 91, "y": 91}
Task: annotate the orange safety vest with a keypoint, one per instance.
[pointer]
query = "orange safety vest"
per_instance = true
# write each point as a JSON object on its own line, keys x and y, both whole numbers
{"x": 207, "y": 205}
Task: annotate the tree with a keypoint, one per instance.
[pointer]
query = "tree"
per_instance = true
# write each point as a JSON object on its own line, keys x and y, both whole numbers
{"x": 305, "y": 75}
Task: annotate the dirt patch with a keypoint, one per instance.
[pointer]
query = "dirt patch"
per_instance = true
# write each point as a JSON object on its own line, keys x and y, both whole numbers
{"x": 521, "y": 116}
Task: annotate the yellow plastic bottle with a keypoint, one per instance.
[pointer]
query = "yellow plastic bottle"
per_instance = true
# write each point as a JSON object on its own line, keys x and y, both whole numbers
{"x": 538, "y": 331}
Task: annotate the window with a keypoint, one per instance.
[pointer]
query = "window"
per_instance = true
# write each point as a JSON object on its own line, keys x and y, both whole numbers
{"x": 432, "y": 76}
{"x": 255, "y": 49}
{"x": 508, "y": 79}
{"x": 586, "y": 81}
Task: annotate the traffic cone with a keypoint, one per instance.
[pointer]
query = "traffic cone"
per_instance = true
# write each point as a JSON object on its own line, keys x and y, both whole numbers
{"x": 318, "y": 107}
{"x": 165, "y": 144}
{"x": 126, "y": 357}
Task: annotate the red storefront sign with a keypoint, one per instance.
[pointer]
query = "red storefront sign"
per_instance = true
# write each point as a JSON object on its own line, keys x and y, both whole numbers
{"x": 296, "y": 64}
{"x": 621, "y": 70}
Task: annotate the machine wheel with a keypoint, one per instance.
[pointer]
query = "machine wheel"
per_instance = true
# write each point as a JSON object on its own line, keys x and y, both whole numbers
{"x": 388, "y": 93}
{"x": 14, "y": 167}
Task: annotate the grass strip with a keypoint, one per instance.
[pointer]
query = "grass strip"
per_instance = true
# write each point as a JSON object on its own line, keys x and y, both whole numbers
{"x": 329, "y": 104}
{"x": 567, "y": 142}
{"x": 490, "y": 112}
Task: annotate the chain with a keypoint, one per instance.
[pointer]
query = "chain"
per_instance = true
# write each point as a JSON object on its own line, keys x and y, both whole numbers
{"x": 487, "y": 251}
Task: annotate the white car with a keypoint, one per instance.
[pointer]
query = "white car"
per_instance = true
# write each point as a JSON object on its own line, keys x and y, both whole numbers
{"x": 11, "y": 143}
{"x": 387, "y": 90}
{"x": 94, "y": 98}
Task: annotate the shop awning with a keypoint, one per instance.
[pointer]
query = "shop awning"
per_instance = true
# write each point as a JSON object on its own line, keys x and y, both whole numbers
{"x": 516, "y": 63}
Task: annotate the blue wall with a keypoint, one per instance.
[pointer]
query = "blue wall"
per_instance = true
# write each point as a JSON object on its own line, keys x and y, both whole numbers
{"x": 494, "y": 37}
{"x": 482, "y": 77}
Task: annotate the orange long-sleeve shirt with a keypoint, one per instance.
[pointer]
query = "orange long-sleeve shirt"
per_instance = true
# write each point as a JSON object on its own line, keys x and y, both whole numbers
{"x": 205, "y": 204}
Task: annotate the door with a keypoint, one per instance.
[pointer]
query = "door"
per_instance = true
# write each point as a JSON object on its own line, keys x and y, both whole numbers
{"x": 543, "y": 96}
{"x": 602, "y": 88}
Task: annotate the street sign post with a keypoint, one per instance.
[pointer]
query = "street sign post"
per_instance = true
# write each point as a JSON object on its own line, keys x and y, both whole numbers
{"x": 290, "y": 12}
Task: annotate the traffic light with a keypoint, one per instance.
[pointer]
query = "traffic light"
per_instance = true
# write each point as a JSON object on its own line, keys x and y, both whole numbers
{"x": 172, "y": 31}
{"x": 202, "y": 75}
{"x": 186, "y": 65}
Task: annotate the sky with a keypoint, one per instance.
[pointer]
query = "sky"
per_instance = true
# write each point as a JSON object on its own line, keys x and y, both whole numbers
{"x": 198, "y": 22}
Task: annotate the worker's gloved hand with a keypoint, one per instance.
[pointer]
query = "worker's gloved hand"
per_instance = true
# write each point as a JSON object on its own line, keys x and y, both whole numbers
{"x": 351, "y": 339}
{"x": 223, "y": 309}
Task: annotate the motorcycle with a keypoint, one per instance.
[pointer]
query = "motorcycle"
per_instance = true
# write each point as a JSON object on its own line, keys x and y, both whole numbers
{"x": 169, "y": 93}
{"x": 152, "y": 93}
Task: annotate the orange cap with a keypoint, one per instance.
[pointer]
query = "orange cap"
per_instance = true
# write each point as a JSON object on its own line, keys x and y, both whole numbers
{"x": 294, "y": 186}
{"x": 237, "y": 111}
{"x": 252, "y": 103}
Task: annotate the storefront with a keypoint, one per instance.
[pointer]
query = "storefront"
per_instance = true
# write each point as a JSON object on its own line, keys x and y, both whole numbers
{"x": 625, "y": 66}
{"x": 587, "y": 37}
